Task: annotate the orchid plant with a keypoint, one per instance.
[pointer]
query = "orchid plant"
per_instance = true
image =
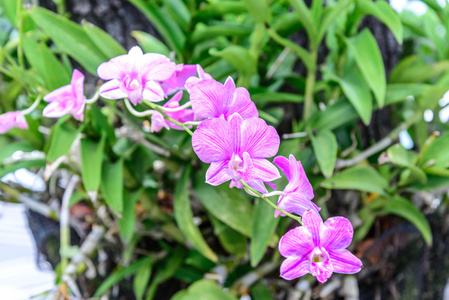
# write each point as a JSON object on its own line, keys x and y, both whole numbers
{"x": 230, "y": 137}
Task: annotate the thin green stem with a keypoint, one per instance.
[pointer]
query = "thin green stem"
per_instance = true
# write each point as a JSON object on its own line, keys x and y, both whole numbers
{"x": 20, "y": 28}
{"x": 159, "y": 109}
{"x": 260, "y": 195}
{"x": 310, "y": 85}
{"x": 33, "y": 106}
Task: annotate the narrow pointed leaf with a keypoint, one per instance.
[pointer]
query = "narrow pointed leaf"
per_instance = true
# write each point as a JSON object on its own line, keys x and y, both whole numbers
{"x": 61, "y": 141}
{"x": 112, "y": 185}
{"x": 91, "y": 161}
{"x": 325, "y": 147}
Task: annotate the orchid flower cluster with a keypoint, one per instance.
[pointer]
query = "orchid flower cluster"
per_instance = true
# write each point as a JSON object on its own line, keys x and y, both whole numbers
{"x": 230, "y": 137}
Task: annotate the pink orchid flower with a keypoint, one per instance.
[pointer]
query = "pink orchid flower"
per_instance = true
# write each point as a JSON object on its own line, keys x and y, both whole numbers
{"x": 12, "y": 119}
{"x": 68, "y": 99}
{"x": 237, "y": 149}
{"x": 158, "y": 121}
{"x": 211, "y": 99}
{"x": 192, "y": 81}
{"x": 135, "y": 75}
{"x": 299, "y": 192}
{"x": 178, "y": 80}
{"x": 318, "y": 248}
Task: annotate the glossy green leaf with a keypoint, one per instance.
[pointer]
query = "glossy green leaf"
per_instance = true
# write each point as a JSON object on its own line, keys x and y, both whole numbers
{"x": 264, "y": 225}
{"x": 119, "y": 274}
{"x": 238, "y": 57}
{"x": 23, "y": 164}
{"x": 325, "y": 148}
{"x": 329, "y": 16}
{"x": 276, "y": 97}
{"x": 305, "y": 16}
{"x": 112, "y": 185}
{"x": 220, "y": 8}
{"x": 91, "y": 161}
{"x": 414, "y": 69}
{"x": 184, "y": 217}
{"x": 149, "y": 43}
{"x": 9, "y": 8}
{"x": 179, "y": 12}
{"x": 165, "y": 25}
{"x": 369, "y": 60}
{"x": 141, "y": 279}
{"x": 259, "y": 291}
{"x": 357, "y": 178}
{"x": 333, "y": 116}
{"x": 46, "y": 64}
{"x": 302, "y": 53}
{"x": 227, "y": 205}
{"x": 437, "y": 154}
{"x": 203, "y": 290}
{"x": 203, "y": 33}
{"x": 258, "y": 9}
{"x": 231, "y": 240}
{"x": 70, "y": 37}
{"x": 286, "y": 24}
{"x": 383, "y": 11}
{"x": 358, "y": 93}
{"x": 61, "y": 141}
{"x": 128, "y": 220}
{"x": 106, "y": 43}
{"x": 405, "y": 209}
{"x": 9, "y": 149}
{"x": 399, "y": 92}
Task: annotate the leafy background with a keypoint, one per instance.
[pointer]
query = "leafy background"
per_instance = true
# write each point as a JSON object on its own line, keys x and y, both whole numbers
{"x": 349, "y": 78}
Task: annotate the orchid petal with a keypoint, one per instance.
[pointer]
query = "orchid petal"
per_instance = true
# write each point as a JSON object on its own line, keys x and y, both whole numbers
{"x": 296, "y": 242}
{"x": 212, "y": 141}
{"x": 259, "y": 139}
{"x": 111, "y": 90}
{"x": 323, "y": 269}
{"x": 56, "y": 110}
{"x": 336, "y": 233}
{"x": 345, "y": 262}
{"x": 298, "y": 205}
{"x": 313, "y": 222}
{"x": 293, "y": 267}
{"x": 217, "y": 173}
{"x": 208, "y": 99}
{"x": 153, "y": 92}
{"x": 59, "y": 94}
{"x": 156, "y": 67}
{"x": 243, "y": 104}
{"x": 283, "y": 164}
{"x": 264, "y": 170}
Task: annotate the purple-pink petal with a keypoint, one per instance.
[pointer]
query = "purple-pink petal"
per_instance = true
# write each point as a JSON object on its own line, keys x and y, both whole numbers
{"x": 213, "y": 141}
{"x": 259, "y": 139}
{"x": 336, "y": 233}
{"x": 320, "y": 264}
{"x": 12, "y": 119}
{"x": 242, "y": 104}
{"x": 296, "y": 242}
{"x": 313, "y": 222}
{"x": 208, "y": 98}
{"x": 111, "y": 90}
{"x": 294, "y": 267}
{"x": 284, "y": 164}
{"x": 156, "y": 67}
{"x": 345, "y": 262}
{"x": 56, "y": 109}
{"x": 291, "y": 203}
{"x": 217, "y": 173}
{"x": 264, "y": 170}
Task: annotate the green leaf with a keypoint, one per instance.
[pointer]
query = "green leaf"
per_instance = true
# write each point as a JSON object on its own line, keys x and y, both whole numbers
{"x": 219, "y": 9}
{"x": 264, "y": 225}
{"x": 179, "y": 12}
{"x": 165, "y": 25}
{"x": 358, "y": 93}
{"x": 305, "y": 16}
{"x": 259, "y": 291}
{"x": 112, "y": 185}
{"x": 369, "y": 60}
{"x": 106, "y": 43}
{"x": 437, "y": 154}
{"x": 258, "y": 9}
{"x": 141, "y": 279}
{"x": 405, "y": 158}
{"x": 333, "y": 116}
{"x": 91, "y": 161}
{"x": 9, "y": 149}
{"x": 24, "y": 164}
{"x": 399, "y": 92}
{"x": 383, "y": 11}
{"x": 325, "y": 147}
{"x": 277, "y": 97}
{"x": 119, "y": 274}
{"x": 203, "y": 290}
{"x": 357, "y": 178}
{"x": 184, "y": 217}
{"x": 413, "y": 69}
{"x": 227, "y": 205}
{"x": 203, "y": 33}
{"x": 231, "y": 240}
{"x": 302, "y": 53}
{"x": 317, "y": 10}
{"x": 46, "y": 64}
{"x": 128, "y": 220}
{"x": 69, "y": 37}
{"x": 149, "y": 43}
{"x": 329, "y": 15}
{"x": 9, "y": 8}
{"x": 166, "y": 270}
{"x": 238, "y": 57}
{"x": 62, "y": 139}
{"x": 403, "y": 208}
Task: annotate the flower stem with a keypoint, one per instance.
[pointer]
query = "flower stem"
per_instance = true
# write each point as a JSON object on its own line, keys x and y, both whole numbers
{"x": 33, "y": 106}
{"x": 94, "y": 98}
{"x": 159, "y": 109}
{"x": 265, "y": 197}
{"x": 174, "y": 109}
{"x": 310, "y": 83}
{"x": 135, "y": 112}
